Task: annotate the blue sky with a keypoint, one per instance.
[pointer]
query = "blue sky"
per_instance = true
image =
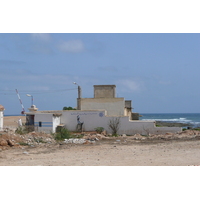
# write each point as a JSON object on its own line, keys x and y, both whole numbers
{"x": 158, "y": 72}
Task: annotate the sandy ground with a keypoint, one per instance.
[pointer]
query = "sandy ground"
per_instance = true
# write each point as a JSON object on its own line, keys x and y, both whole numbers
{"x": 121, "y": 151}
{"x": 168, "y": 153}
{"x": 12, "y": 121}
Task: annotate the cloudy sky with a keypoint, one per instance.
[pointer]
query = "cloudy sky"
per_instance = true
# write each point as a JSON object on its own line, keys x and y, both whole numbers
{"x": 158, "y": 72}
{"x": 148, "y": 49}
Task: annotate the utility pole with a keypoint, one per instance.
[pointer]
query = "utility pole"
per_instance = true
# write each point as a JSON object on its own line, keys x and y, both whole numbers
{"x": 79, "y": 97}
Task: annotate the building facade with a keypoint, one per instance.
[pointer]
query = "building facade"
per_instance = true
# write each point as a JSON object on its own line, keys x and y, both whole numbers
{"x": 105, "y": 98}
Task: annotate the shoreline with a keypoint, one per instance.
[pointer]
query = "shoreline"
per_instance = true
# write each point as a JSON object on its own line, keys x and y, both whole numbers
{"x": 173, "y": 124}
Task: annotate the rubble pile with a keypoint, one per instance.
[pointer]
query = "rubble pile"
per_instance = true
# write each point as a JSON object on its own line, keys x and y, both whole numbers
{"x": 187, "y": 134}
{"x": 9, "y": 138}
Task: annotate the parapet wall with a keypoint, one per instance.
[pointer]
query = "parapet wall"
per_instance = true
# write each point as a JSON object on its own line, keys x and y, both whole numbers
{"x": 104, "y": 91}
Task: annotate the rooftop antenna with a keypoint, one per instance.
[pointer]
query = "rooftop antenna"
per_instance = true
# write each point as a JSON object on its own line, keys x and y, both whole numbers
{"x": 23, "y": 110}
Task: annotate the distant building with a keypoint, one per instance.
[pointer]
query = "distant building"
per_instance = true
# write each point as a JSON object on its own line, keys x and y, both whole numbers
{"x": 1, "y": 117}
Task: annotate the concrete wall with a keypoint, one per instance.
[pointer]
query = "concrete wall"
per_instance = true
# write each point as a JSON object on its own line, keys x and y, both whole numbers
{"x": 131, "y": 127}
{"x": 113, "y": 106}
{"x": 104, "y": 91}
{"x": 98, "y": 118}
{"x": 56, "y": 122}
{"x": 94, "y": 119}
{"x": 47, "y": 122}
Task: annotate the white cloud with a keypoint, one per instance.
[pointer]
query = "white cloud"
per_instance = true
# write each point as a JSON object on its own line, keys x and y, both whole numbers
{"x": 130, "y": 85}
{"x": 71, "y": 46}
{"x": 41, "y": 36}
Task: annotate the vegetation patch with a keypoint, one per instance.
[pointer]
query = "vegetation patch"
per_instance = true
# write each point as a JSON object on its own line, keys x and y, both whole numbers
{"x": 99, "y": 130}
{"x": 21, "y": 130}
{"x": 113, "y": 125}
{"x": 62, "y": 134}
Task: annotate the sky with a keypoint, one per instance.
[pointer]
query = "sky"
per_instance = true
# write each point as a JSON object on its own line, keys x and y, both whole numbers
{"x": 158, "y": 72}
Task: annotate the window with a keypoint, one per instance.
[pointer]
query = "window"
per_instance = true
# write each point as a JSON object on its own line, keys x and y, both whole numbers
{"x": 40, "y": 124}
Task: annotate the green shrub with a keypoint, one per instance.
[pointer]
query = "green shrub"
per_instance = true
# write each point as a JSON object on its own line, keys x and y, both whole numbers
{"x": 21, "y": 130}
{"x": 99, "y": 130}
{"x": 23, "y": 143}
{"x": 62, "y": 134}
{"x": 68, "y": 108}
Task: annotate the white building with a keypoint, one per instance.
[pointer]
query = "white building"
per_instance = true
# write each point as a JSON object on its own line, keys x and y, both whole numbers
{"x": 96, "y": 112}
{"x": 1, "y": 117}
{"x": 48, "y": 121}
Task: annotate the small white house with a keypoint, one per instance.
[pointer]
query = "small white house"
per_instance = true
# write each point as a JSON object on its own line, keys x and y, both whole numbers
{"x": 1, "y": 117}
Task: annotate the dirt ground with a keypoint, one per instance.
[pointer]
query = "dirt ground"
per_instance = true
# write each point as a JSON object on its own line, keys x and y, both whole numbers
{"x": 111, "y": 151}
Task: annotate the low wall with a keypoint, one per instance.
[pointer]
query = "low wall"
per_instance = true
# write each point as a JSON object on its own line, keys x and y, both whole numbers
{"x": 98, "y": 118}
{"x": 94, "y": 119}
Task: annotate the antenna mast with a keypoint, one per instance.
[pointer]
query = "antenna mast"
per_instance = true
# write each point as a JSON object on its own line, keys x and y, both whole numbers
{"x": 23, "y": 110}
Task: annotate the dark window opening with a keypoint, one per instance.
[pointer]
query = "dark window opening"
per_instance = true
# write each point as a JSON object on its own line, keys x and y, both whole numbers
{"x": 40, "y": 124}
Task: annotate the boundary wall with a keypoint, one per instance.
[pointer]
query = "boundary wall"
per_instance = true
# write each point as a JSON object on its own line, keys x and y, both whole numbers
{"x": 47, "y": 121}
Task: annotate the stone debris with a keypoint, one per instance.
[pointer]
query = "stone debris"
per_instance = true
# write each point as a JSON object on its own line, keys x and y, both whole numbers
{"x": 3, "y": 142}
{"x": 10, "y": 139}
{"x": 11, "y": 143}
{"x": 75, "y": 141}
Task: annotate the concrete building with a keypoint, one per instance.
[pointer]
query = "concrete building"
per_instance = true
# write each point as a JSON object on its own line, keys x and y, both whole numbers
{"x": 96, "y": 112}
{"x": 1, "y": 117}
{"x": 105, "y": 98}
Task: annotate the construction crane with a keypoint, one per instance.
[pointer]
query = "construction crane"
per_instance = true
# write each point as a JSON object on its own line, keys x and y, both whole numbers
{"x": 23, "y": 110}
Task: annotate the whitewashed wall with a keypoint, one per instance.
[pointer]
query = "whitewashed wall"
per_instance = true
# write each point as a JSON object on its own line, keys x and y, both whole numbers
{"x": 131, "y": 127}
{"x": 91, "y": 119}
{"x": 56, "y": 122}
{"x": 47, "y": 121}
{"x": 97, "y": 118}
{"x": 1, "y": 120}
{"x": 94, "y": 119}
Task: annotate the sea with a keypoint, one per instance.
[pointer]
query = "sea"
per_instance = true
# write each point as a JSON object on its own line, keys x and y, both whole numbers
{"x": 193, "y": 119}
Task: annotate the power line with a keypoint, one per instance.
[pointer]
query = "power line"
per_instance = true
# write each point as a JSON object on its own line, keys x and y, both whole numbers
{"x": 12, "y": 92}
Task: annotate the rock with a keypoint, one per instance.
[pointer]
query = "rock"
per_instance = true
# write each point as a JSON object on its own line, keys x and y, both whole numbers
{"x": 75, "y": 141}
{"x": 99, "y": 136}
{"x": 10, "y": 143}
{"x": 137, "y": 136}
{"x": 87, "y": 137}
{"x": 3, "y": 142}
{"x": 124, "y": 135}
{"x": 168, "y": 133}
{"x": 104, "y": 133}
{"x": 93, "y": 137}
{"x": 86, "y": 142}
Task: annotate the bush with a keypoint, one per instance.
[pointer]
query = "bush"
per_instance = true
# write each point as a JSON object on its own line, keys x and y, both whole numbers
{"x": 114, "y": 126}
{"x": 68, "y": 108}
{"x": 21, "y": 130}
{"x": 62, "y": 134}
{"x": 99, "y": 130}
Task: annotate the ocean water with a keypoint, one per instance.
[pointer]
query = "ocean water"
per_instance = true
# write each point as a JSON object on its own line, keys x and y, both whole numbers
{"x": 193, "y": 119}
